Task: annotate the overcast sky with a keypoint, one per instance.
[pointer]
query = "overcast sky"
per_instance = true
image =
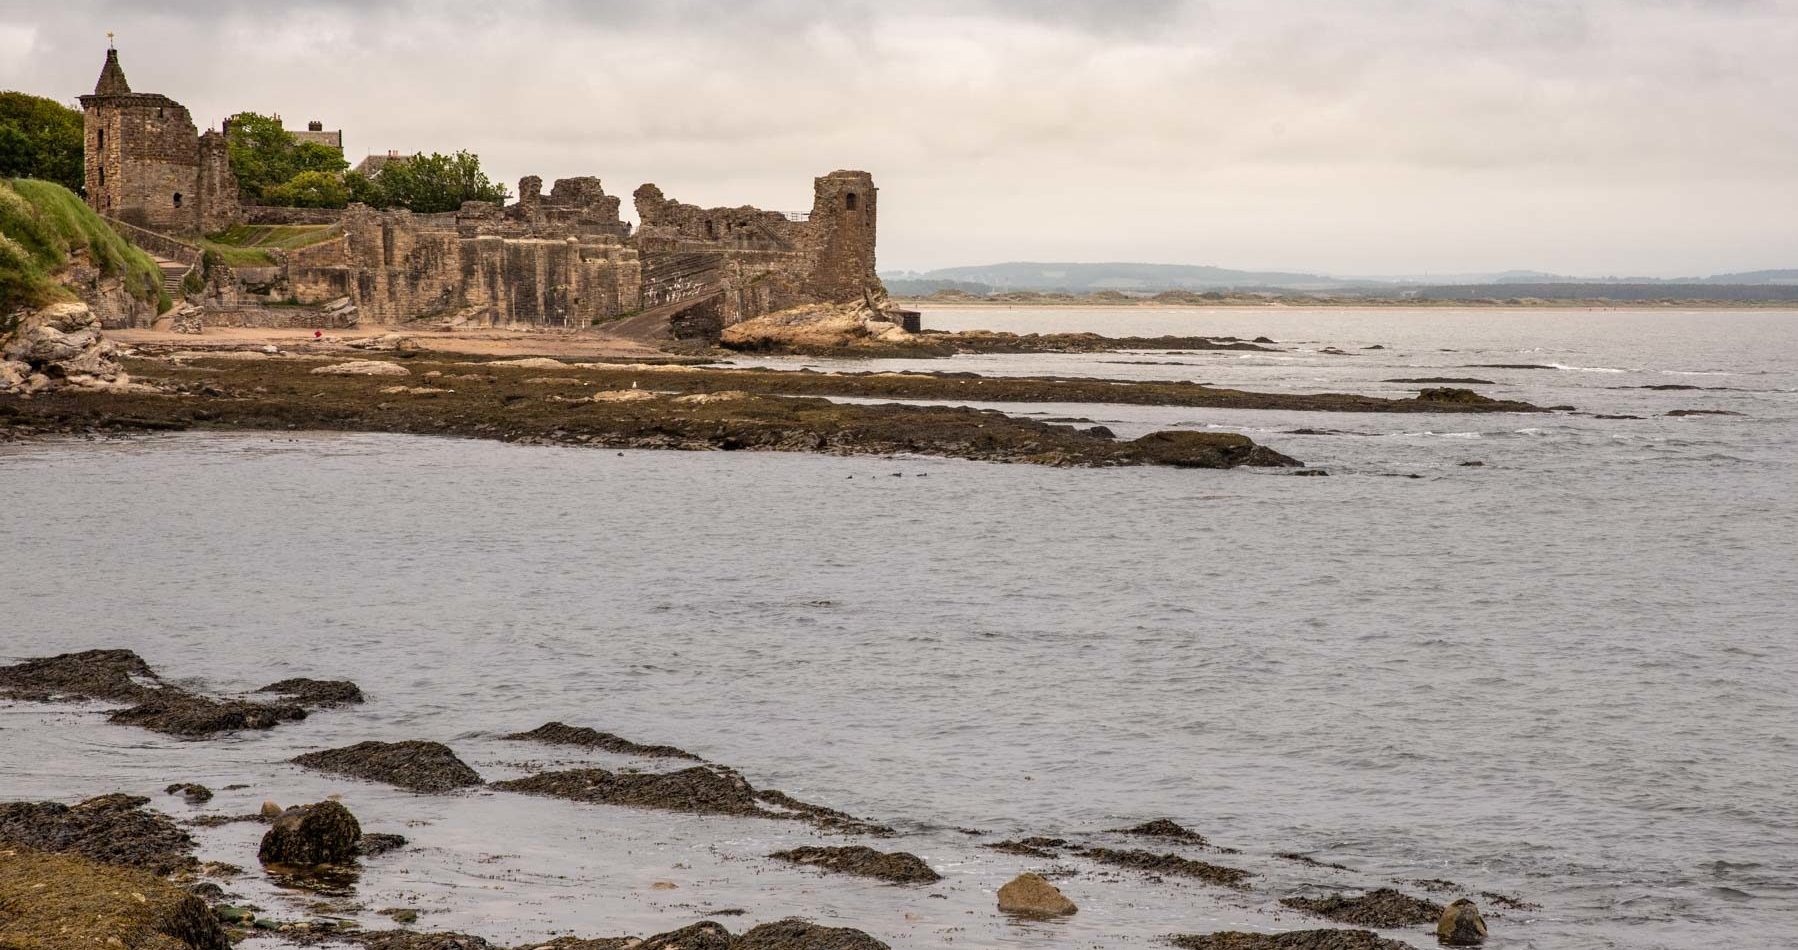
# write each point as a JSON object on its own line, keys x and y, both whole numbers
{"x": 1354, "y": 137}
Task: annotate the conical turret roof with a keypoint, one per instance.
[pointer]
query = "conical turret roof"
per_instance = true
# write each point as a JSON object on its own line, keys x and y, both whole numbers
{"x": 112, "y": 77}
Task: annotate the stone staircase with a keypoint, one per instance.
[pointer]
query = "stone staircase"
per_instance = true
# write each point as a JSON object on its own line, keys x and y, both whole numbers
{"x": 173, "y": 274}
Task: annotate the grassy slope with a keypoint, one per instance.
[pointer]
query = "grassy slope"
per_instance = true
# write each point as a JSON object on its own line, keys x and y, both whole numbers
{"x": 247, "y": 245}
{"x": 41, "y": 223}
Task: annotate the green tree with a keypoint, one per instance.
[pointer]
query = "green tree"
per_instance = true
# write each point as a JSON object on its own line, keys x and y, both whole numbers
{"x": 430, "y": 184}
{"x": 41, "y": 138}
{"x": 309, "y": 190}
{"x": 265, "y": 157}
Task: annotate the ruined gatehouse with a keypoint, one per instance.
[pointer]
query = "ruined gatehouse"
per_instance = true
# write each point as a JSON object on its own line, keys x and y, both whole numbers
{"x": 563, "y": 259}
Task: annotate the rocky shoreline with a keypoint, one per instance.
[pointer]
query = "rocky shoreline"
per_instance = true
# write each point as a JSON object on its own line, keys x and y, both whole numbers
{"x": 111, "y": 870}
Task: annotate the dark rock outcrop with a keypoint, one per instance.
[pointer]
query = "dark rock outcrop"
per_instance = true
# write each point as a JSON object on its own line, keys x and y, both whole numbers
{"x": 64, "y": 902}
{"x": 1206, "y": 450}
{"x": 1170, "y": 864}
{"x": 325, "y": 833}
{"x": 557, "y": 733}
{"x": 111, "y": 829}
{"x": 1384, "y": 908}
{"x": 899, "y": 867}
{"x": 1461, "y": 925}
{"x": 316, "y": 694}
{"x": 1454, "y": 396}
{"x": 1291, "y": 940}
{"x": 415, "y": 765}
{"x": 794, "y": 934}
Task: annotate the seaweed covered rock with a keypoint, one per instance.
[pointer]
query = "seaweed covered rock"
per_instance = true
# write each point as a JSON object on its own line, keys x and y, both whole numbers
{"x": 557, "y": 733}
{"x": 1461, "y": 925}
{"x": 325, "y": 833}
{"x": 111, "y": 829}
{"x": 111, "y": 675}
{"x": 899, "y": 867}
{"x": 415, "y": 765}
{"x": 1383, "y": 907}
{"x": 65, "y": 902}
{"x": 195, "y": 793}
{"x": 362, "y": 368}
{"x": 1207, "y": 450}
{"x": 1170, "y": 864}
{"x": 177, "y": 713}
{"x": 705, "y": 935}
{"x": 795, "y": 934}
{"x": 316, "y": 694}
{"x": 1031, "y": 895}
{"x": 1165, "y": 828}
{"x": 1291, "y": 940}
{"x": 1454, "y": 395}
{"x": 1034, "y": 847}
{"x": 702, "y": 789}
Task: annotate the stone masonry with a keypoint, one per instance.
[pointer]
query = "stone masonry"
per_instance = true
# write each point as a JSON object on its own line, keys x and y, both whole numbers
{"x": 147, "y": 165}
{"x": 565, "y": 259}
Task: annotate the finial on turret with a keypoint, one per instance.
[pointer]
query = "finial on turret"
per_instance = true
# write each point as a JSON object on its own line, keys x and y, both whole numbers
{"x": 109, "y": 40}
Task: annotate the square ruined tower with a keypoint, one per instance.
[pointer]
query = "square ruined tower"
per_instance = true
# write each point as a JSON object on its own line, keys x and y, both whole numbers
{"x": 146, "y": 163}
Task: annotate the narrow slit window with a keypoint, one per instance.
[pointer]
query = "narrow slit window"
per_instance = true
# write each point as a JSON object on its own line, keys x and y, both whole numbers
{"x": 177, "y": 199}
{"x": 849, "y": 201}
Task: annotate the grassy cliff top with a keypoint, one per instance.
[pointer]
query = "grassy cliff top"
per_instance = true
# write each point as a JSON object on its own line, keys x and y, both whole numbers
{"x": 41, "y": 225}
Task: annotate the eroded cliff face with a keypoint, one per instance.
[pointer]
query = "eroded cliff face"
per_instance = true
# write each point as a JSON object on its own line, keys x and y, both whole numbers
{"x": 106, "y": 295}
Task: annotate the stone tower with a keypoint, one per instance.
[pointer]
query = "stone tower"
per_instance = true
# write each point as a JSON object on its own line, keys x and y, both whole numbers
{"x": 842, "y": 237}
{"x": 145, "y": 164}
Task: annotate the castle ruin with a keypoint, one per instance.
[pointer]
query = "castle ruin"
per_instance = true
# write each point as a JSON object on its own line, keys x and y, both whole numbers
{"x": 565, "y": 259}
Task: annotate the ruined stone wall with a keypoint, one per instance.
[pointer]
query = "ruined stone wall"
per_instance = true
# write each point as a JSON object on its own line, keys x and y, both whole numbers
{"x": 770, "y": 260}
{"x": 219, "y": 207}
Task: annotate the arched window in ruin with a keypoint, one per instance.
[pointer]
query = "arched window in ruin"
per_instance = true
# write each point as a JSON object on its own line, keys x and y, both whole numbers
{"x": 710, "y": 230}
{"x": 849, "y": 201}
{"x": 177, "y": 199}
{"x": 102, "y": 175}
{"x": 102, "y": 142}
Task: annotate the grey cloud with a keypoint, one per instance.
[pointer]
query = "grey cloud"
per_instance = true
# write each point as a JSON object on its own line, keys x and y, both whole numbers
{"x": 1374, "y": 135}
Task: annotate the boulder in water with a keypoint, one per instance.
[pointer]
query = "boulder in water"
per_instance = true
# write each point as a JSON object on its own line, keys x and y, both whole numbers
{"x": 1461, "y": 925}
{"x": 325, "y": 833}
{"x": 1031, "y": 895}
{"x": 705, "y": 935}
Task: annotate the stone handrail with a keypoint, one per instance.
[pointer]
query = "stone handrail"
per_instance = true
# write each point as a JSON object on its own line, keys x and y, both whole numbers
{"x": 157, "y": 243}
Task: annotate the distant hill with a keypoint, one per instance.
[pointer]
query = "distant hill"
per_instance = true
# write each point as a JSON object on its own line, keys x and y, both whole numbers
{"x": 1085, "y": 278}
{"x": 1128, "y": 277}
